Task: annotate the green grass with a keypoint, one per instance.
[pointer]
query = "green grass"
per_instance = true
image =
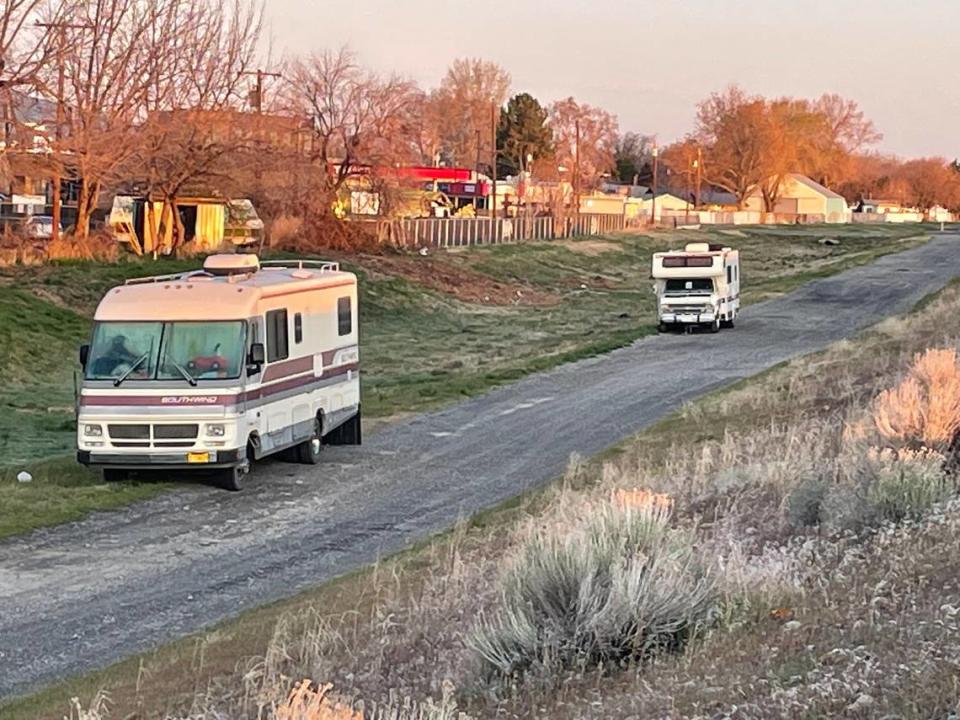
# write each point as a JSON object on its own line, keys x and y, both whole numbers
{"x": 420, "y": 348}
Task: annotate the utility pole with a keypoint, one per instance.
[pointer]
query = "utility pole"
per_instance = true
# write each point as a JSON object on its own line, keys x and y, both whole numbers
{"x": 258, "y": 106}
{"x": 258, "y": 92}
{"x": 61, "y": 29}
{"x": 576, "y": 175}
{"x": 698, "y": 164}
{"x": 656, "y": 171}
{"x": 476, "y": 170}
{"x": 493, "y": 193}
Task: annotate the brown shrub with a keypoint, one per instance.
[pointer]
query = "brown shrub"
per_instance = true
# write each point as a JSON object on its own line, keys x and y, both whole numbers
{"x": 308, "y": 703}
{"x": 924, "y": 409}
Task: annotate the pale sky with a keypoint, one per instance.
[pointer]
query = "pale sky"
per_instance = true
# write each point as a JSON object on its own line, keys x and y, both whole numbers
{"x": 649, "y": 62}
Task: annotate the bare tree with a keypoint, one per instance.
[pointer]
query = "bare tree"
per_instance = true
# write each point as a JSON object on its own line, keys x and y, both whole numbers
{"x": 598, "y": 139}
{"x": 461, "y": 108}
{"x": 22, "y": 43}
{"x": 362, "y": 123}
{"x": 107, "y": 61}
{"x": 193, "y": 127}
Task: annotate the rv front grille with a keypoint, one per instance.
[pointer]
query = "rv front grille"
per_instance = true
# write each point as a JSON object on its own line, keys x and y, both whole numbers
{"x": 129, "y": 432}
{"x": 159, "y": 436}
{"x": 175, "y": 432}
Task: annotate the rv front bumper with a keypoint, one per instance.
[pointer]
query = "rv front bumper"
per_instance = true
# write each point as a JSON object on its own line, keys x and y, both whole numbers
{"x": 687, "y": 317}
{"x": 194, "y": 460}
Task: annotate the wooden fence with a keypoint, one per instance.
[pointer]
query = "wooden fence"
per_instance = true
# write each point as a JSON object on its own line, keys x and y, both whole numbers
{"x": 461, "y": 232}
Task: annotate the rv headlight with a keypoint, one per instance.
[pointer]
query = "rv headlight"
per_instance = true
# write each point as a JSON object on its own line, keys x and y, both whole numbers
{"x": 216, "y": 430}
{"x": 93, "y": 430}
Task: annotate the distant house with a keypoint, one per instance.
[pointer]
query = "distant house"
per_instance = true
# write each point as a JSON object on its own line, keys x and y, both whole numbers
{"x": 879, "y": 206}
{"x": 665, "y": 201}
{"x": 799, "y": 195}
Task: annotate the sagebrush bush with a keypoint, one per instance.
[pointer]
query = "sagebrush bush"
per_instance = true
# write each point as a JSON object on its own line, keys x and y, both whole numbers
{"x": 924, "y": 409}
{"x": 886, "y": 486}
{"x": 617, "y": 588}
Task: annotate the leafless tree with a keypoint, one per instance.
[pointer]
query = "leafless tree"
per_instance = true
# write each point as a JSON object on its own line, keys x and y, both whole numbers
{"x": 598, "y": 139}
{"x": 461, "y": 107}
{"x": 194, "y": 131}
{"x": 362, "y": 123}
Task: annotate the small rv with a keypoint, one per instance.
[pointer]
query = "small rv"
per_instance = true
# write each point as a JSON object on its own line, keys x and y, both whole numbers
{"x": 214, "y": 368}
{"x": 698, "y": 286}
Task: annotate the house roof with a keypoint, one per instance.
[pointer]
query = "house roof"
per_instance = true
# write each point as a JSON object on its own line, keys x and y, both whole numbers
{"x": 814, "y": 185}
{"x": 29, "y": 109}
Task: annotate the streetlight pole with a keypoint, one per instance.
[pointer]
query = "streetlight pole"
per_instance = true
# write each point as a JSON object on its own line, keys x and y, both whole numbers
{"x": 576, "y": 175}
{"x": 493, "y": 173}
{"x": 698, "y": 164}
{"x": 656, "y": 171}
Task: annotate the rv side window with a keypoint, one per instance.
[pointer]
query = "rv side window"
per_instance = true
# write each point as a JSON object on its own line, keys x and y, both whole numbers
{"x": 277, "y": 335}
{"x": 344, "y": 316}
{"x": 729, "y": 273}
{"x": 298, "y": 328}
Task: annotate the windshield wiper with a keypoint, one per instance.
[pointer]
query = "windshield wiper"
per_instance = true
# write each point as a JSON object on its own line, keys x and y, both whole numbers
{"x": 186, "y": 376}
{"x": 136, "y": 364}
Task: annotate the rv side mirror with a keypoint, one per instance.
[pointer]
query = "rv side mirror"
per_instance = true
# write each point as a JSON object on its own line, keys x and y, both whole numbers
{"x": 84, "y": 355}
{"x": 257, "y": 355}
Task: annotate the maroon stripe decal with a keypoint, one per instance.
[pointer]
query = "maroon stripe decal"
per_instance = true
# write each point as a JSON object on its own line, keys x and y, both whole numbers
{"x": 212, "y": 400}
{"x": 296, "y": 382}
{"x": 277, "y": 371}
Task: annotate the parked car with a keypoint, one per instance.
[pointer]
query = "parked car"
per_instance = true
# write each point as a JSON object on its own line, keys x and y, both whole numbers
{"x": 39, "y": 227}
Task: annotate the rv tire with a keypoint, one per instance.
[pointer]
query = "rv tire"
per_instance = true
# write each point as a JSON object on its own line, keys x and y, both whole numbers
{"x": 662, "y": 328}
{"x": 308, "y": 452}
{"x": 349, "y": 433}
{"x": 715, "y": 326}
{"x": 231, "y": 478}
{"x": 112, "y": 475}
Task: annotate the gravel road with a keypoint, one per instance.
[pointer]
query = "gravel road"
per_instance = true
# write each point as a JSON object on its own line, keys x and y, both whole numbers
{"x": 77, "y": 597}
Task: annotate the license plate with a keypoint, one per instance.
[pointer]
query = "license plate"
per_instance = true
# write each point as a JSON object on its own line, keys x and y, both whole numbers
{"x": 198, "y": 457}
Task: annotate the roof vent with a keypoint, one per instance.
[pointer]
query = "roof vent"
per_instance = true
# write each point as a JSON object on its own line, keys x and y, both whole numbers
{"x": 236, "y": 264}
{"x": 698, "y": 247}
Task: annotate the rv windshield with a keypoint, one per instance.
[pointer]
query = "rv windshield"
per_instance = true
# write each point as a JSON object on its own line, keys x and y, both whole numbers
{"x": 691, "y": 286}
{"x": 188, "y": 351}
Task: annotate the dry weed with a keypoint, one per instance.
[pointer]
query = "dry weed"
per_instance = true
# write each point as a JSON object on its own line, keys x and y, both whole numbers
{"x": 924, "y": 409}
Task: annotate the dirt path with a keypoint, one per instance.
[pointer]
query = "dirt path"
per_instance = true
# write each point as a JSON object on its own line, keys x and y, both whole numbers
{"x": 83, "y": 595}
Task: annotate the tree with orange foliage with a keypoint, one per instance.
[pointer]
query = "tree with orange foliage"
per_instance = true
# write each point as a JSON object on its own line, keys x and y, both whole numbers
{"x": 732, "y": 128}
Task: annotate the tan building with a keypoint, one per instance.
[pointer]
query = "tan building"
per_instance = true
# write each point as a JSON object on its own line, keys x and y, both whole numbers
{"x": 799, "y": 195}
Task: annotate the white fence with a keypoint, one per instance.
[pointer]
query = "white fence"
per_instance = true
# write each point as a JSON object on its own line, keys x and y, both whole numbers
{"x": 461, "y": 232}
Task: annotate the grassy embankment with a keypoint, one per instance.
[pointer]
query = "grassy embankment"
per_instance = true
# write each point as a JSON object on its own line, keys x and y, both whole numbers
{"x": 761, "y": 474}
{"x": 433, "y": 330}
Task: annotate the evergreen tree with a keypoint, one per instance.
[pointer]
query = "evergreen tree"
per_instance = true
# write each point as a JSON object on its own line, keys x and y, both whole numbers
{"x": 522, "y": 131}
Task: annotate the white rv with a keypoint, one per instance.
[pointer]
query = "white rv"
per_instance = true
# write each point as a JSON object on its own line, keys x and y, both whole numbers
{"x": 216, "y": 367}
{"x": 697, "y": 286}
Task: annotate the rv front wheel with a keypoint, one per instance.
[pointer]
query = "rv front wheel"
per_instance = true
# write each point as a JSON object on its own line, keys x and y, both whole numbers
{"x": 232, "y": 478}
{"x": 715, "y": 326}
{"x": 111, "y": 475}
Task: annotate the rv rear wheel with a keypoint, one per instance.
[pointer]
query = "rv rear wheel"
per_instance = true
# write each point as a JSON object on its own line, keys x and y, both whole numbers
{"x": 308, "y": 452}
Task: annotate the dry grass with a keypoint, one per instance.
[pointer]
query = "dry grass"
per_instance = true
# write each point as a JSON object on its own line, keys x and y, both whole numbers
{"x": 832, "y": 560}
